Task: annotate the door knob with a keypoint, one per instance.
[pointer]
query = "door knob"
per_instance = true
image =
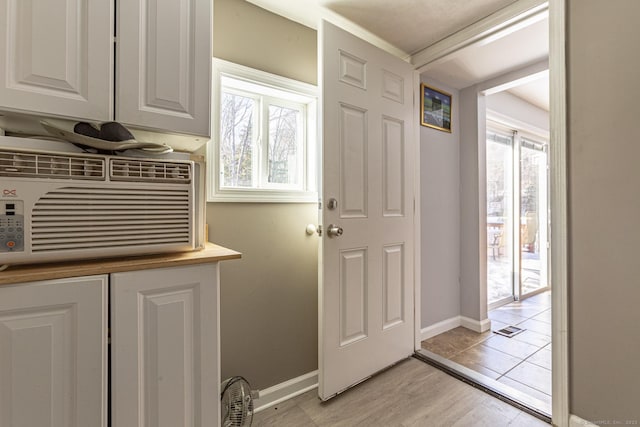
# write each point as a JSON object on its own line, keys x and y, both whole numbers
{"x": 334, "y": 231}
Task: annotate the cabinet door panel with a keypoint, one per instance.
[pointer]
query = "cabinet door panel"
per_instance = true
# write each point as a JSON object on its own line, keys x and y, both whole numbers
{"x": 56, "y": 57}
{"x": 53, "y": 353}
{"x": 164, "y": 64}
{"x": 164, "y": 347}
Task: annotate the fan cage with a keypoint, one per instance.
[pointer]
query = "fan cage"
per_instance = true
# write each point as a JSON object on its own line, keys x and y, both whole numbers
{"x": 237, "y": 403}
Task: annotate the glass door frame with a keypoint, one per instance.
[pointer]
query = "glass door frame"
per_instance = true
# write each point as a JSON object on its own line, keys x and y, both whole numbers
{"x": 503, "y": 223}
{"x": 522, "y": 138}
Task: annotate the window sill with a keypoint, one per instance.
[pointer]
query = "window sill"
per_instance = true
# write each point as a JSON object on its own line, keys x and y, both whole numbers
{"x": 264, "y": 197}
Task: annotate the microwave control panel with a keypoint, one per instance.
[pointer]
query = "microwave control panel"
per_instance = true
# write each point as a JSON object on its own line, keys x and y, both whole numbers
{"x": 11, "y": 226}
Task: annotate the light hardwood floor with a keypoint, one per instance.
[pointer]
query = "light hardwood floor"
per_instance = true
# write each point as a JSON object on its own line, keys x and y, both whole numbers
{"x": 411, "y": 394}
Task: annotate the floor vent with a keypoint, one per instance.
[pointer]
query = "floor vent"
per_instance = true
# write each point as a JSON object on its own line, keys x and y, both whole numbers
{"x": 509, "y": 331}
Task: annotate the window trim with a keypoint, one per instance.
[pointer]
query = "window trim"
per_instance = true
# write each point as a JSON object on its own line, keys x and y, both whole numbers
{"x": 298, "y": 90}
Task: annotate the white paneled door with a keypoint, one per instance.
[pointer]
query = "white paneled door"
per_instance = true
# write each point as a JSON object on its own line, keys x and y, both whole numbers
{"x": 367, "y": 299}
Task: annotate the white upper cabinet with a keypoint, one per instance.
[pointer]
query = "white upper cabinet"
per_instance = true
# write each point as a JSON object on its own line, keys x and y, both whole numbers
{"x": 164, "y": 64}
{"x": 56, "y": 57}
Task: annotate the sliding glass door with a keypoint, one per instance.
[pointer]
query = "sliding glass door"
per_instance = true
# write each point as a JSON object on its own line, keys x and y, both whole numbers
{"x": 517, "y": 216}
{"x": 534, "y": 221}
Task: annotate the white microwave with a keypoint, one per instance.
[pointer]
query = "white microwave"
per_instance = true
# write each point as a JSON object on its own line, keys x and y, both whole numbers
{"x": 64, "y": 204}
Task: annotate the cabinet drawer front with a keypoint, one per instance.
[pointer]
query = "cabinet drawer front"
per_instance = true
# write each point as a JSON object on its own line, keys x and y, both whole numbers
{"x": 53, "y": 353}
{"x": 56, "y": 57}
{"x": 164, "y": 347}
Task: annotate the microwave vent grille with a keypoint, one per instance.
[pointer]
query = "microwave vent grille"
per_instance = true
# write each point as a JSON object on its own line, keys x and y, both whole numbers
{"x": 59, "y": 166}
{"x": 77, "y": 218}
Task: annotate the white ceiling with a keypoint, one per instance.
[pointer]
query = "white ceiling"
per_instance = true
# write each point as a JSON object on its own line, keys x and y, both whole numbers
{"x": 412, "y": 25}
{"x": 535, "y": 92}
{"x": 480, "y": 63}
{"x": 404, "y": 27}
{"x": 517, "y": 50}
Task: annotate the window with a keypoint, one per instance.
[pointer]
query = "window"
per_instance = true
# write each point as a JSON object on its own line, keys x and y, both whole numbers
{"x": 263, "y": 144}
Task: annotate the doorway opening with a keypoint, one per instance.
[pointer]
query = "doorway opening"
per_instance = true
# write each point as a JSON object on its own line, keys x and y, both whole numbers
{"x": 515, "y": 365}
{"x": 482, "y": 318}
{"x": 504, "y": 215}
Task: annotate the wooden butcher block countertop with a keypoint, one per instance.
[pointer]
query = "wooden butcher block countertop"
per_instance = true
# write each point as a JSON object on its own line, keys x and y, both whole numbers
{"x": 60, "y": 270}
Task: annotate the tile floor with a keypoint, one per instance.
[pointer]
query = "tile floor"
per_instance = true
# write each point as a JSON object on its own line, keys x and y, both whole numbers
{"x": 522, "y": 362}
{"x": 410, "y": 394}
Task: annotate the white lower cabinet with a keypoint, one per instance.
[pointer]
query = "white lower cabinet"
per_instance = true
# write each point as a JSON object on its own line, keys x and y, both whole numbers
{"x": 164, "y": 369}
{"x": 53, "y": 353}
{"x": 164, "y": 347}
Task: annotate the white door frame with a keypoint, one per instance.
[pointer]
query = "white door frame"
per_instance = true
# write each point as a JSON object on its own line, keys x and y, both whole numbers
{"x": 417, "y": 229}
{"x": 507, "y": 20}
{"x": 558, "y": 177}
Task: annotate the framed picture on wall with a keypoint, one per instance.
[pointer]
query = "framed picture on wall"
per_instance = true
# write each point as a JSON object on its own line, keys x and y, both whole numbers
{"x": 435, "y": 109}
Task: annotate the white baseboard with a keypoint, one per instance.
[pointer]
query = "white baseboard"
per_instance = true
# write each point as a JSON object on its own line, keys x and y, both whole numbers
{"x": 286, "y": 390}
{"x": 439, "y": 328}
{"x": 475, "y": 325}
{"x": 454, "y": 322}
{"x": 576, "y": 421}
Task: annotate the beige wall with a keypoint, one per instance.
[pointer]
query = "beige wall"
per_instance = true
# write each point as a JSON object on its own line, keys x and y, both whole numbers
{"x": 269, "y": 298}
{"x": 269, "y": 313}
{"x": 251, "y": 36}
{"x": 604, "y": 209}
